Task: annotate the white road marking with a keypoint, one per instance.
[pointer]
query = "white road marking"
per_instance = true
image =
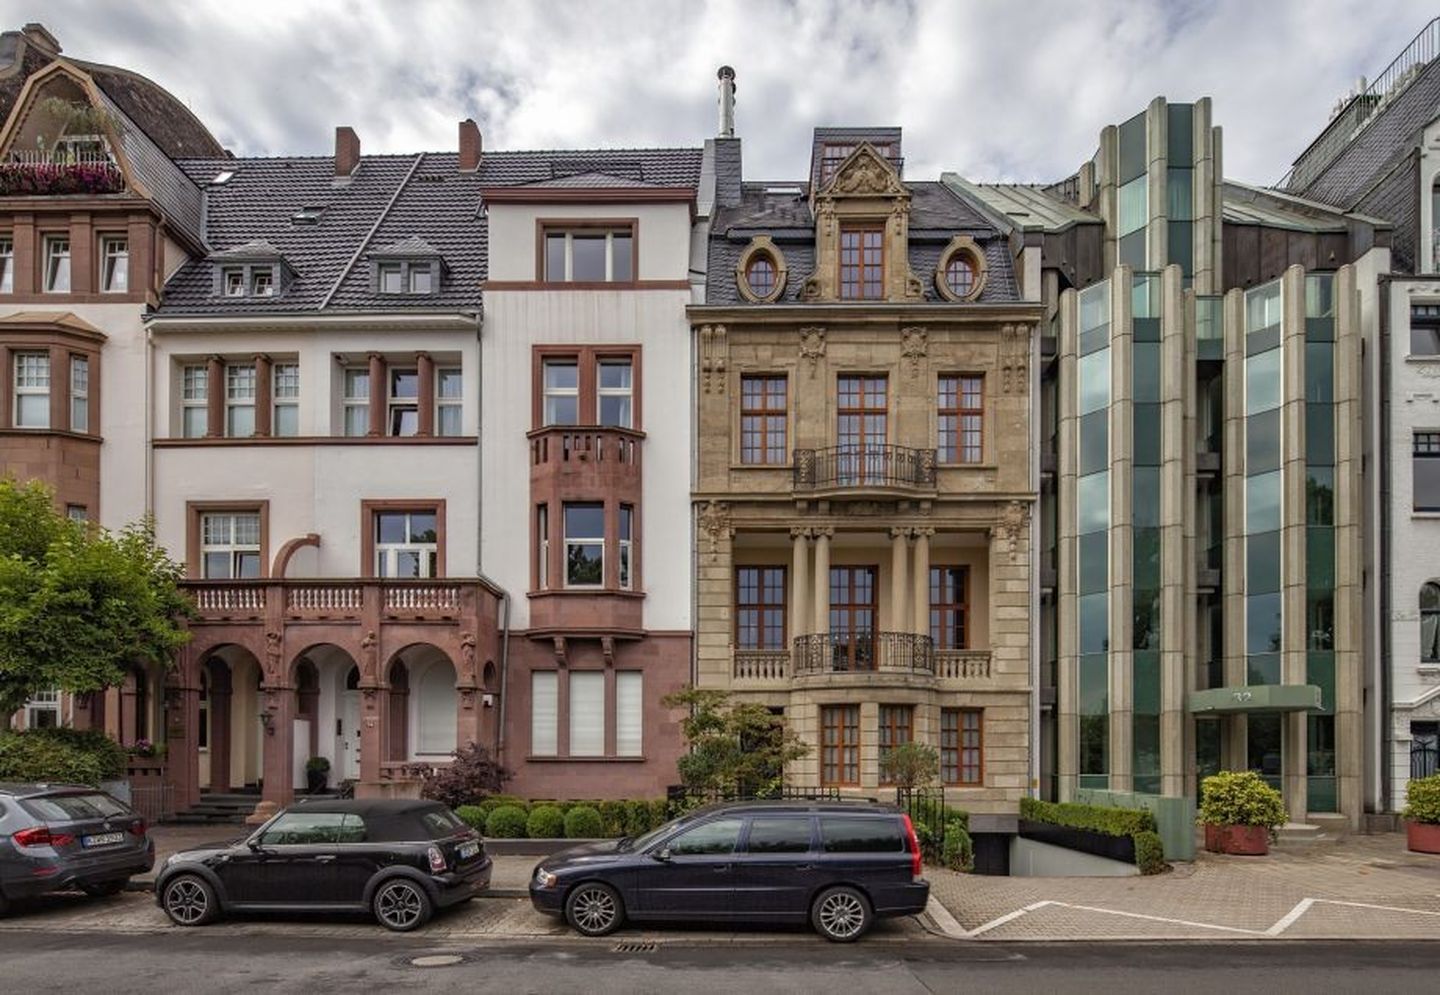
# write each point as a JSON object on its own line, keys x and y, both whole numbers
{"x": 1007, "y": 917}
{"x": 1285, "y": 921}
{"x": 942, "y": 918}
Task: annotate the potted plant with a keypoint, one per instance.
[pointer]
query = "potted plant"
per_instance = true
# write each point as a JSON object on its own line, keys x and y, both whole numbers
{"x": 1422, "y": 814}
{"x": 1240, "y": 812}
{"x": 317, "y": 774}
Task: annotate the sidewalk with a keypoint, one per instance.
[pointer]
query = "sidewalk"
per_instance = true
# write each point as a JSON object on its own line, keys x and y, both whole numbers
{"x": 1362, "y": 887}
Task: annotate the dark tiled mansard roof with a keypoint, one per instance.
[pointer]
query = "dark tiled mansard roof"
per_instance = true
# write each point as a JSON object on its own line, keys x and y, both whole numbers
{"x": 398, "y": 206}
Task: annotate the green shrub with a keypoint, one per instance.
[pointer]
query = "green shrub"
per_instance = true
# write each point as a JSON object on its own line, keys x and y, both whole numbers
{"x": 1422, "y": 800}
{"x": 497, "y": 801}
{"x": 637, "y": 818}
{"x": 506, "y": 822}
{"x": 473, "y": 816}
{"x": 1095, "y": 818}
{"x": 910, "y": 765}
{"x": 612, "y": 815}
{"x": 1149, "y": 852}
{"x": 71, "y": 755}
{"x": 659, "y": 813}
{"x": 959, "y": 850}
{"x": 582, "y": 822}
{"x": 546, "y": 822}
{"x": 1241, "y": 798}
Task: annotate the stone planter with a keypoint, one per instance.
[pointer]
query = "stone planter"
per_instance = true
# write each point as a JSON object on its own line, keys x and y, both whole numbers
{"x": 1423, "y": 837}
{"x": 1121, "y": 848}
{"x": 1245, "y": 841}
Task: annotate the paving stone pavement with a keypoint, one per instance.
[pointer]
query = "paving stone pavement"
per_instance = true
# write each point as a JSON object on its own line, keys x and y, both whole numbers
{"x": 1361, "y": 886}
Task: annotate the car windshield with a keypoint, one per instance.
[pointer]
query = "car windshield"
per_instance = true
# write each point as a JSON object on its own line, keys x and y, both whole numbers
{"x": 641, "y": 842}
{"x": 70, "y": 808}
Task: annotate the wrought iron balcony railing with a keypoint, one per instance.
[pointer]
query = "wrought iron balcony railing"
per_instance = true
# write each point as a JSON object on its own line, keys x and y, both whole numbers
{"x": 849, "y": 652}
{"x": 864, "y": 466}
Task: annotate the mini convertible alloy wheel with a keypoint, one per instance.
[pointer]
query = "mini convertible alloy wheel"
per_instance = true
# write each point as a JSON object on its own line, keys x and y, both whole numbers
{"x": 189, "y": 901}
{"x": 401, "y": 906}
{"x": 594, "y": 909}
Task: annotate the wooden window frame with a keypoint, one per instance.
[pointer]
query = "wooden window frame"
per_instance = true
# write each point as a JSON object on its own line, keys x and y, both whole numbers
{"x": 194, "y": 515}
{"x": 79, "y": 395}
{"x": 894, "y": 720}
{"x": 278, "y": 400}
{"x": 398, "y": 402}
{"x": 47, "y": 244}
{"x": 554, "y": 226}
{"x": 954, "y": 727}
{"x": 762, "y": 606}
{"x": 7, "y": 264}
{"x": 844, "y": 720}
{"x": 370, "y": 508}
{"x": 939, "y": 606}
{"x": 17, "y": 391}
{"x": 444, "y": 402}
{"x": 953, "y": 405}
{"x": 762, "y": 415}
{"x": 853, "y": 467}
{"x": 855, "y": 659}
{"x": 587, "y": 366}
{"x": 863, "y": 266}
{"x": 231, "y": 401}
{"x": 109, "y": 242}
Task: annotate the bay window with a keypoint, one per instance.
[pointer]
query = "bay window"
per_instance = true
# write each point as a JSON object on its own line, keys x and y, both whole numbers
{"x": 32, "y": 390}
{"x": 79, "y": 394}
{"x": 584, "y": 545}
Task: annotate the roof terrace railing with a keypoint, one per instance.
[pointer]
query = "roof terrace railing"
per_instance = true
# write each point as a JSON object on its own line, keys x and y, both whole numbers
{"x": 1342, "y": 127}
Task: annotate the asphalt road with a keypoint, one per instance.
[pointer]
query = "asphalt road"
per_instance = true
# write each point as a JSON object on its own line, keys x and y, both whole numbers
{"x": 209, "y": 961}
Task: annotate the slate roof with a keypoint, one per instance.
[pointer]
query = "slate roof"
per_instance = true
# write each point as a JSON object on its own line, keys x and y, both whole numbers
{"x": 937, "y": 214}
{"x": 393, "y": 205}
{"x": 1026, "y": 205}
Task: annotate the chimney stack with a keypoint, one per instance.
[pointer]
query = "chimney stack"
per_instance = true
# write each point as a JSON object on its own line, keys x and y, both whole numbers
{"x": 470, "y": 146}
{"x": 727, "y": 102}
{"x": 347, "y": 151}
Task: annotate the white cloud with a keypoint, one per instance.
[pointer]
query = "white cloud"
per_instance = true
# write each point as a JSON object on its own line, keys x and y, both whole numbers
{"x": 991, "y": 89}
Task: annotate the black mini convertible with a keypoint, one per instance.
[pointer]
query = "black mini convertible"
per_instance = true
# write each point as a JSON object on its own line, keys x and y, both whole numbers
{"x": 399, "y": 859}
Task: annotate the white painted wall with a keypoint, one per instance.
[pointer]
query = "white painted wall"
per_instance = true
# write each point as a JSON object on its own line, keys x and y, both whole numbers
{"x": 316, "y": 487}
{"x": 1415, "y": 536}
{"x": 663, "y": 234}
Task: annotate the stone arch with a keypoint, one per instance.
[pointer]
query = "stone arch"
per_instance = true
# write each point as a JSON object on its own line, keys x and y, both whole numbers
{"x": 431, "y": 701}
{"x": 327, "y": 678}
{"x": 231, "y": 756}
{"x": 489, "y": 677}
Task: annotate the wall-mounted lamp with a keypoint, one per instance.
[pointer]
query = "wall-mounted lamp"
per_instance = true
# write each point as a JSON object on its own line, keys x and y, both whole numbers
{"x": 488, "y": 700}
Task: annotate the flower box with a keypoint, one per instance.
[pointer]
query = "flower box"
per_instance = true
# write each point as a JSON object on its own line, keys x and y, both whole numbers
{"x": 1245, "y": 841}
{"x": 1423, "y": 837}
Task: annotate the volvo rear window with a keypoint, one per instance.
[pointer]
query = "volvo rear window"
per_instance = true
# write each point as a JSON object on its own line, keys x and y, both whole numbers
{"x": 74, "y": 808}
{"x": 853, "y": 834}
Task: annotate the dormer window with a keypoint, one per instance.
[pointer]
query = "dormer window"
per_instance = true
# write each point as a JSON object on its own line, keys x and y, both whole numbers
{"x": 760, "y": 274}
{"x": 406, "y": 277}
{"x": 961, "y": 273}
{"x": 255, "y": 269}
{"x": 262, "y": 283}
{"x": 235, "y": 282}
{"x": 862, "y": 264}
{"x": 760, "y": 271}
{"x": 588, "y": 254}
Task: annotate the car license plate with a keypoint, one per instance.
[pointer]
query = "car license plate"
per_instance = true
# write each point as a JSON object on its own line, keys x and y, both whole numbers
{"x": 468, "y": 850}
{"x": 102, "y": 839}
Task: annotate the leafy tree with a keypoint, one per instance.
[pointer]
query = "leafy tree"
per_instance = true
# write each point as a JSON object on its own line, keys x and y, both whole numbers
{"x": 910, "y": 765}
{"x": 79, "y": 605}
{"x": 468, "y": 779}
{"x": 737, "y": 748}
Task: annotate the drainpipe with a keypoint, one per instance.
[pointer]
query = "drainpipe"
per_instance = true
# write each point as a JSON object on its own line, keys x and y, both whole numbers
{"x": 149, "y": 423}
{"x": 480, "y": 542}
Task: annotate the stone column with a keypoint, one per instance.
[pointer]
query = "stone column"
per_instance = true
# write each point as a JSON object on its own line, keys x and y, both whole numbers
{"x": 1122, "y": 533}
{"x": 1295, "y": 632}
{"x": 1177, "y": 556}
{"x": 1232, "y": 750}
{"x": 379, "y": 393}
{"x": 425, "y": 375}
{"x": 899, "y": 607}
{"x": 822, "y": 580}
{"x": 278, "y": 748}
{"x": 1349, "y": 552}
{"x": 921, "y": 572}
{"x": 264, "y": 394}
{"x": 799, "y": 582}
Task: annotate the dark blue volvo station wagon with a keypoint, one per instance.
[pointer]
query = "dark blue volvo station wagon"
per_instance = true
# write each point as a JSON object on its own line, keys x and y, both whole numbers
{"x": 837, "y": 865}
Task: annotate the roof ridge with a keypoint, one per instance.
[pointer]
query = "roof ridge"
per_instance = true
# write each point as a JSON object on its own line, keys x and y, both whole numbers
{"x": 364, "y": 242}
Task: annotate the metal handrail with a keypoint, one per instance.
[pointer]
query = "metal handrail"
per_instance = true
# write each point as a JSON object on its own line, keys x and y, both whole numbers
{"x": 864, "y": 466}
{"x": 863, "y": 651}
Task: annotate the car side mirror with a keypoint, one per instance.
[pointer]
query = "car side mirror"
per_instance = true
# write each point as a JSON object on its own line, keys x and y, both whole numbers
{"x": 254, "y": 844}
{"x": 662, "y": 855}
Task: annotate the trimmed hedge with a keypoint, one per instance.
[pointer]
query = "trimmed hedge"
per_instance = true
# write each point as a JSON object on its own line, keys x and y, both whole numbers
{"x": 473, "y": 816}
{"x": 1094, "y": 818}
{"x": 506, "y": 822}
{"x": 1149, "y": 852}
{"x": 582, "y": 823}
{"x": 546, "y": 822}
{"x": 1422, "y": 799}
{"x": 70, "y": 755}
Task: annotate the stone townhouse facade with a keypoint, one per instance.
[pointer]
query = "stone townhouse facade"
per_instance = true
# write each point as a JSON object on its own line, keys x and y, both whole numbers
{"x": 864, "y": 490}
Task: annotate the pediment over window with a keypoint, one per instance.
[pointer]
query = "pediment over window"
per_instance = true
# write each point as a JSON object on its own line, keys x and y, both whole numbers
{"x": 866, "y": 173}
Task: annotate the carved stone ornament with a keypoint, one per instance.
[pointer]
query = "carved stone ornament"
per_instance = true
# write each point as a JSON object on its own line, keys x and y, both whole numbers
{"x": 914, "y": 346}
{"x": 812, "y": 345}
{"x": 714, "y": 353}
{"x": 560, "y": 650}
{"x": 1014, "y": 359}
{"x": 865, "y": 174}
{"x": 1013, "y": 521}
{"x": 810, "y": 289}
{"x": 715, "y": 523}
{"x": 467, "y": 699}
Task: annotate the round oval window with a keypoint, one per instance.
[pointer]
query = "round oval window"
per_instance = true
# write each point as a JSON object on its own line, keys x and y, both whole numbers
{"x": 760, "y": 275}
{"x": 960, "y": 274}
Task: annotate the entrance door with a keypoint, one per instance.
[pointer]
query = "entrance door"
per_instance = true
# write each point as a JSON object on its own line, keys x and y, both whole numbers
{"x": 861, "y": 429}
{"x": 350, "y": 736}
{"x": 1264, "y": 740}
{"x": 852, "y": 618}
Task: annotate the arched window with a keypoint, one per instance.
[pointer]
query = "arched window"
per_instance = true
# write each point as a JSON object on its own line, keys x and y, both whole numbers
{"x": 1430, "y": 623}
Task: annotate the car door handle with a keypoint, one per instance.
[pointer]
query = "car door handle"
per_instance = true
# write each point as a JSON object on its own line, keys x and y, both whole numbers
{"x": 804, "y": 867}
{"x": 721, "y": 868}
{"x": 325, "y": 858}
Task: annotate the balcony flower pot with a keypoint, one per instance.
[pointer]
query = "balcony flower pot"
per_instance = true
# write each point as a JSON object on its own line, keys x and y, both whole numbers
{"x": 1240, "y": 812}
{"x": 1422, "y": 814}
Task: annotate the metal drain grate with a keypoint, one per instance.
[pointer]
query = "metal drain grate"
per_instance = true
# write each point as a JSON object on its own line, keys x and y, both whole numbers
{"x": 635, "y": 947}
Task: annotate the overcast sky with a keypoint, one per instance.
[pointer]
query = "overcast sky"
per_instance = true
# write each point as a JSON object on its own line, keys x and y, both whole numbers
{"x": 994, "y": 90}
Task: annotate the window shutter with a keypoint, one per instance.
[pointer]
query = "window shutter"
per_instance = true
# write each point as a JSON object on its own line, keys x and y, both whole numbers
{"x": 544, "y": 713}
{"x": 587, "y": 714}
{"x": 628, "y": 710}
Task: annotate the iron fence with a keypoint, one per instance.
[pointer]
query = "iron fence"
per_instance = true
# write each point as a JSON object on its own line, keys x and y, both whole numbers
{"x": 926, "y": 808}
{"x": 154, "y": 802}
{"x": 864, "y": 466}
